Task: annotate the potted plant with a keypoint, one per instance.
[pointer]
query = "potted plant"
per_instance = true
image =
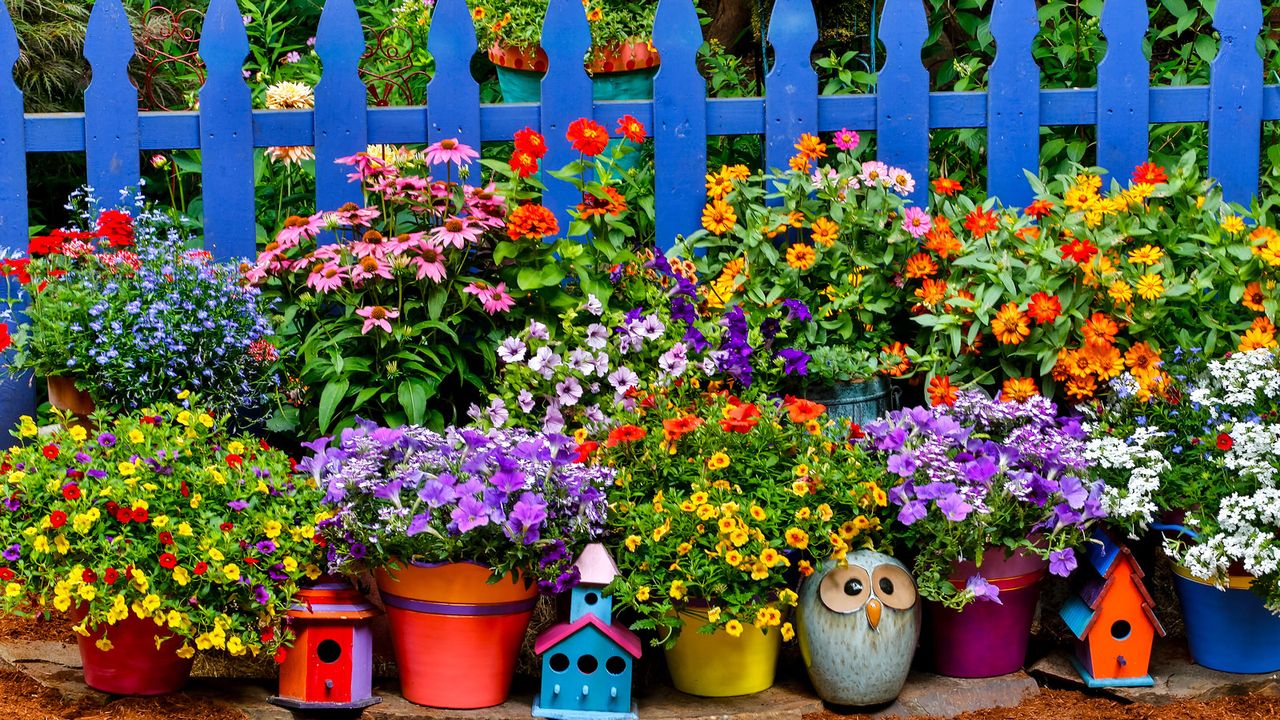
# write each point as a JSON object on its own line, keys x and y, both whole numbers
{"x": 721, "y": 505}
{"x": 461, "y": 529}
{"x": 161, "y": 535}
{"x": 831, "y": 233}
{"x": 990, "y": 494}
{"x": 622, "y": 61}
{"x": 1192, "y": 442}
{"x": 123, "y": 314}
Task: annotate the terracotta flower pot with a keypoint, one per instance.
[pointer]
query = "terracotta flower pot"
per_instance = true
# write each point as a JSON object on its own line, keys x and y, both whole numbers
{"x": 134, "y": 665}
{"x": 64, "y": 396}
{"x": 457, "y": 637}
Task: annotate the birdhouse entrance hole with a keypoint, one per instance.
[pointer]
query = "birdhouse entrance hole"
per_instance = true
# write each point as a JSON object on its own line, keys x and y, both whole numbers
{"x": 559, "y": 662}
{"x": 329, "y": 651}
{"x": 615, "y": 665}
{"x": 591, "y": 598}
{"x": 587, "y": 664}
{"x": 1120, "y": 629}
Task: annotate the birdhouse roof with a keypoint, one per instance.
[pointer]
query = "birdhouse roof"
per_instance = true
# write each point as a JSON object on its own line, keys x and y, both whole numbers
{"x": 1080, "y": 611}
{"x": 596, "y": 566}
{"x": 622, "y": 637}
{"x": 1104, "y": 552}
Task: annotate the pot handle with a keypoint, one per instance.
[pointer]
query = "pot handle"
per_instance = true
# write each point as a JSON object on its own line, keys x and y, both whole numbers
{"x": 1180, "y": 529}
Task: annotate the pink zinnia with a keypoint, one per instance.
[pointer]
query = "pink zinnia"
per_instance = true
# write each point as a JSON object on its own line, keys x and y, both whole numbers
{"x": 326, "y": 279}
{"x": 846, "y": 139}
{"x": 875, "y": 173}
{"x": 916, "y": 221}
{"x": 456, "y": 232}
{"x": 450, "y": 151}
{"x": 376, "y": 316}
{"x": 430, "y": 263}
{"x": 495, "y": 299}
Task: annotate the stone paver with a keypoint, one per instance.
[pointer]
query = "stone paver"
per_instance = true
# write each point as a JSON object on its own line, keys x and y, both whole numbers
{"x": 933, "y": 695}
{"x": 1177, "y": 678}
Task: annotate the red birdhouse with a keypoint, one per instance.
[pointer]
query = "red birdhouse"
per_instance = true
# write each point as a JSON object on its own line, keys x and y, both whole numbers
{"x": 1112, "y": 619}
{"x": 330, "y": 666}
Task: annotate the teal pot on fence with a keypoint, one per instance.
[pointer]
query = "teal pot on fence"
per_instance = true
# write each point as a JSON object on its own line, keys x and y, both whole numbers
{"x": 859, "y": 402}
{"x": 858, "y": 628}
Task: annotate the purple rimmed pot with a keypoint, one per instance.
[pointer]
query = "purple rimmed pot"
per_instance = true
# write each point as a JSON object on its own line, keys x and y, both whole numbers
{"x": 987, "y": 638}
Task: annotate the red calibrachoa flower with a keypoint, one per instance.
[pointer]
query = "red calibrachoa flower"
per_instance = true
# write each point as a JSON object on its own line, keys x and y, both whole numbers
{"x": 89, "y": 577}
{"x": 168, "y": 561}
{"x": 234, "y": 460}
{"x": 1225, "y": 442}
{"x": 226, "y": 527}
{"x": 801, "y": 411}
{"x": 57, "y": 519}
{"x": 6, "y": 574}
{"x": 140, "y": 515}
{"x": 632, "y": 129}
{"x": 946, "y": 186}
{"x": 740, "y": 418}
{"x": 124, "y": 515}
{"x": 280, "y": 655}
{"x": 588, "y": 136}
{"x": 110, "y": 576}
{"x": 1149, "y": 173}
{"x": 1044, "y": 308}
{"x": 980, "y": 222}
{"x": 582, "y": 453}
{"x": 531, "y": 143}
{"x": 201, "y": 568}
{"x": 50, "y": 451}
{"x": 625, "y": 433}
{"x": 71, "y": 491}
{"x": 1081, "y": 251}
{"x": 166, "y": 538}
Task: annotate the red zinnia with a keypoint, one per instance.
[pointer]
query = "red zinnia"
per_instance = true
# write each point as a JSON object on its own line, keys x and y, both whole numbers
{"x": 946, "y": 186}
{"x": 1038, "y": 209}
{"x": 200, "y": 568}
{"x": 88, "y": 576}
{"x": 588, "y": 136}
{"x": 1082, "y": 251}
{"x": 166, "y": 538}
{"x": 980, "y": 222}
{"x": 19, "y": 268}
{"x": 140, "y": 515}
{"x": 1149, "y": 173}
{"x": 234, "y": 460}
{"x": 523, "y": 164}
{"x": 6, "y": 574}
{"x": 530, "y": 142}
{"x": 168, "y": 561}
{"x": 741, "y": 418}
{"x": 625, "y": 433}
{"x": 71, "y": 491}
{"x": 57, "y": 519}
{"x": 51, "y": 451}
{"x": 1225, "y": 442}
{"x": 582, "y": 453}
{"x": 631, "y": 128}
{"x": 110, "y": 576}
{"x": 1044, "y": 308}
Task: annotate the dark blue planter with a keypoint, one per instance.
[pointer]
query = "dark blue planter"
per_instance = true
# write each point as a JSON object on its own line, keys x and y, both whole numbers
{"x": 859, "y": 402}
{"x": 1230, "y": 631}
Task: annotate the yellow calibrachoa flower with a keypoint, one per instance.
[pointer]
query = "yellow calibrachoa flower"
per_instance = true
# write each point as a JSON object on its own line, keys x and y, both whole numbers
{"x": 677, "y": 590}
{"x": 235, "y": 646}
{"x": 104, "y": 644}
{"x": 231, "y": 571}
{"x": 713, "y": 614}
{"x": 126, "y": 468}
{"x": 205, "y": 419}
{"x": 181, "y": 576}
{"x": 733, "y": 557}
{"x": 718, "y": 461}
{"x": 788, "y": 632}
{"x": 184, "y": 418}
{"x": 313, "y": 571}
{"x": 78, "y": 433}
{"x": 136, "y": 437}
{"x": 185, "y": 652}
{"x": 759, "y": 571}
{"x": 27, "y": 427}
{"x": 13, "y": 589}
{"x": 642, "y": 593}
{"x": 235, "y": 447}
{"x": 151, "y": 603}
{"x": 633, "y": 542}
{"x": 734, "y": 628}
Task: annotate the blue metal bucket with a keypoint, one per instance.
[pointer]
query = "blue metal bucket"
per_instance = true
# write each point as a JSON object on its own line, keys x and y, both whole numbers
{"x": 858, "y": 402}
{"x": 1228, "y": 630}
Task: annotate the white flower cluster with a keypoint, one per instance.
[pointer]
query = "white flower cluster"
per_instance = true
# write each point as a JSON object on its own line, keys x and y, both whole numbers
{"x": 1132, "y": 501}
{"x": 1246, "y": 534}
{"x": 1255, "y": 451}
{"x": 1238, "y": 381}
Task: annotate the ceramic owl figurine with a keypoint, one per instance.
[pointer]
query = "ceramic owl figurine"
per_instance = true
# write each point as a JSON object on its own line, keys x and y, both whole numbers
{"x": 858, "y": 627}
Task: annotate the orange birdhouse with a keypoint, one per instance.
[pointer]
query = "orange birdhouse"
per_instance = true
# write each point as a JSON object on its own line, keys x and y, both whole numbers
{"x": 1112, "y": 619}
{"x": 330, "y": 666}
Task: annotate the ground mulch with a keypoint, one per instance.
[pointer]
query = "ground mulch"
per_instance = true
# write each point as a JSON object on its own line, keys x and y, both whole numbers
{"x": 56, "y": 628}
{"x": 26, "y": 699}
{"x": 1070, "y": 705}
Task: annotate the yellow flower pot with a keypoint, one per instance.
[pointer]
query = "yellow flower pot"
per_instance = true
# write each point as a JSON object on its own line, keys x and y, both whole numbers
{"x": 720, "y": 665}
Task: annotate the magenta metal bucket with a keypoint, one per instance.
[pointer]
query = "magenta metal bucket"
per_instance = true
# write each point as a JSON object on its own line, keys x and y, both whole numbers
{"x": 987, "y": 639}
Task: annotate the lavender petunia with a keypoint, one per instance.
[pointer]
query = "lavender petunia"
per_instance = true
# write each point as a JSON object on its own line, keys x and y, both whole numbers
{"x": 983, "y": 590}
{"x": 1062, "y": 562}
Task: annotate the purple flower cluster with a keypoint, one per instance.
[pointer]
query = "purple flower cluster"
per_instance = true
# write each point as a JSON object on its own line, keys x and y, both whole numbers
{"x": 511, "y": 499}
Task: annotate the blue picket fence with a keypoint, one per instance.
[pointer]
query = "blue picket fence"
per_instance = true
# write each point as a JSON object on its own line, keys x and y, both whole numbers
{"x": 113, "y": 134}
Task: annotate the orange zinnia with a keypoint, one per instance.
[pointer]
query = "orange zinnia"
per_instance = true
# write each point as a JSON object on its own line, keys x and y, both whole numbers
{"x": 1044, "y": 308}
{"x": 1010, "y": 325}
{"x": 1081, "y": 388}
{"x": 825, "y": 232}
{"x": 921, "y": 265}
{"x": 896, "y": 351}
{"x": 1141, "y": 359}
{"x": 931, "y": 292}
{"x": 1018, "y": 390}
{"x": 587, "y": 136}
{"x": 980, "y": 222}
{"x": 941, "y": 240}
{"x": 1253, "y": 297}
{"x": 1038, "y": 209}
{"x": 941, "y": 391}
{"x": 1101, "y": 359}
{"x": 532, "y": 221}
{"x": 946, "y": 186}
{"x": 1100, "y": 329}
{"x": 811, "y": 148}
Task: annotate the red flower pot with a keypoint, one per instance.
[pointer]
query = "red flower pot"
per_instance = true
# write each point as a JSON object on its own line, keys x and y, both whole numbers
{"x": 134, "y": 665}
{"x": 457, "y": 637}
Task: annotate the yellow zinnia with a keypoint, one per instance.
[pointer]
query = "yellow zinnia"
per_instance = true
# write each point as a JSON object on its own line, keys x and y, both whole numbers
{"x": 1150, "y": 287}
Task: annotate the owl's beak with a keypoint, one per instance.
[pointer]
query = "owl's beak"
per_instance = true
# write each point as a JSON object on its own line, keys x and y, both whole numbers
{"x": 873, "y": 613}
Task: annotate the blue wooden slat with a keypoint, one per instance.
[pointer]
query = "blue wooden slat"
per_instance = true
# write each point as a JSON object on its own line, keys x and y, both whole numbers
{"x": 791, "y": 85}
{"x": 680, "y": 120}
{"x": 111, "y": 104}
{"x": 1124, "y": 103}
{"x": 452, "y": 44}
{"x": 1235, "y": 100}
{"x": 566, "y": 96}
{"x": 1013, "y": 112}
{"x": 16, "y": 396}
{"x": 226, "y": 135}
{"x": 902, "y": 109}
{"x": 341, "y": 116}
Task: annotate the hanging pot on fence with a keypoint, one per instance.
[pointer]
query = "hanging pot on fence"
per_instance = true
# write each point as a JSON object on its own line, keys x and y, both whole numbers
{"x": 719, "y": 664}
{"x": 63, "y": 395}
{"x": 456, "y": 636}
{"x": 133, "y": 665}
{"x": 858, "y": 627}
{"x": 986, "y": 638}
{"x": 859, "y": 402}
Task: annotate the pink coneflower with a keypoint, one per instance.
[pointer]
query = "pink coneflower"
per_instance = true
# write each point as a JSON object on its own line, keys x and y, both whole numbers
{"x": 916, "y": 221}
{"x": 352, "y": 215}
{"x": 370, "y": 267}
{"x": 495, "y": 299}
{"x": 297, "y": 228}
{"x": 430, "y": 262}
{"x": 450, "y": 151}
{"x": 366, "y": 165}
{"x": 376, "y": 316}
{"x": 846, "y": 139}
{"x": 371, "y": 244}
{"x": 456, "y": 232}
{"x": 326, "y": 278}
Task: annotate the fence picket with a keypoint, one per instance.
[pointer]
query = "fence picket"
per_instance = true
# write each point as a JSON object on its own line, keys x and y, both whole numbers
{"x": 679, "y": 121}
{"x": 1013, "y": 103}
{"x": 1124, "y": 89}
{"x": 452, "y": 44}
{"x": 1235, "y": 100}
{"x": 902, "y": 116}
{"x": 16, "y": 396}
{"x": 342, "y": 118}
{"x": 226, "y": 136}
{"x": 566, "y": 96}
{"x": 110, "y": 104}
{"x": 791, "y": 85}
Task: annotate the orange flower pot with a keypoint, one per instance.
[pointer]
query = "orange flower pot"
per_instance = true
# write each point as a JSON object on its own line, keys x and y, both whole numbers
{"x": 64, "y": 396}
{"x": 134, "y": 665}
{"x": 456, "y": 636}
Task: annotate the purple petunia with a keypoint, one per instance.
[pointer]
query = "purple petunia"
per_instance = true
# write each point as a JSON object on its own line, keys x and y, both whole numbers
{"x": 1062, "y": 562}
{"x": 983, "y": 590}
{"x": 13, "y": 552}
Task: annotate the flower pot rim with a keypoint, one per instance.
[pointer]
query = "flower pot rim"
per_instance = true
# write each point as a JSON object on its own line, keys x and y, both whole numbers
{"x": 1234, "y": 581}
{"x": 534, "y": 58}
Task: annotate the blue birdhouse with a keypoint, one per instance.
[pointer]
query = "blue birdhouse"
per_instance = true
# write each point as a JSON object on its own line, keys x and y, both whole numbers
{"x": 587, "y": 662}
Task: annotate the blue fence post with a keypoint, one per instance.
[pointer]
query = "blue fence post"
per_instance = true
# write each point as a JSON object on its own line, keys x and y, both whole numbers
{"x": 16, "y": 395}
{"x": 1013, "y": 103}
{"x": 566, "y": 96}
{"x": 341, "y": 114}
{"x": 1235, "y": 100}
{"x": 110, "y": 105}
{"x": 452, "y": 44}
{"x": 226, "y": 135}
{"x": 1124, "y": 100}
{"x": 791, "y": 85}
{"x": 902, "y": 98}
{"x": 679, "y": 121}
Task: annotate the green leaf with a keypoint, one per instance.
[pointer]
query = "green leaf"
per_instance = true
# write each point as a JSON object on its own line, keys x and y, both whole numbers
{"x": 333, "y": 394}
{"x": 413, "y": 398}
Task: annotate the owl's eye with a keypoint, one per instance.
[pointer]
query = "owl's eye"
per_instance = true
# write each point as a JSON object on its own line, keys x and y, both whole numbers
{"x": 895, "y": 588}
{"x": 845, "y": 589}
